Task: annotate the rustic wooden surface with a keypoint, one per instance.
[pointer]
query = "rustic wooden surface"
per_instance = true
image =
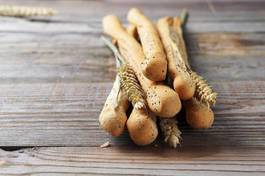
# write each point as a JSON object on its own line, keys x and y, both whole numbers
{"x": 55, "y": 75}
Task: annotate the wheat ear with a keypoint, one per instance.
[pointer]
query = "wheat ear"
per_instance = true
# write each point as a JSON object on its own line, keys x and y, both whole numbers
{"x": 203, "y": 92}
{"x": 22, "y": 11}
{"x": 170, "y": 131}
{"x": 128, "y": 79}
{"x": 132, "y": 87}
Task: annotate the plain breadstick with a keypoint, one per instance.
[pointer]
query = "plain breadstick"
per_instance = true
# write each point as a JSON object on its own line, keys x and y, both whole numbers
{"x": 113, "y": 115}
{"x": 161, "y": 99}
{"x": 177, "y": 70}
{"x": 155, "y": 64}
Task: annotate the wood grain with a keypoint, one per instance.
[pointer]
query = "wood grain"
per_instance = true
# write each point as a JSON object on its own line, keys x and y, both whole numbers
{"x": 48, "y": 57}
{"x": 133, "y": 161}
{"x": 66, "y": 114}
{"x": 56, "y": 73}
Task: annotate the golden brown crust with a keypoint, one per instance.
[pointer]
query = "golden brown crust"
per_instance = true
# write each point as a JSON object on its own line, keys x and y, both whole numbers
{"x": 142, "y": 127}
{"x": 198, "y": 115}
{"x": 113, "y": 115}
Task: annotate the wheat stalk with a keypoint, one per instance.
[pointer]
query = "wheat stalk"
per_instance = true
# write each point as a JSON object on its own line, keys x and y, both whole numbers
{"x": 23, "y": 11}
{"x": 170, "y": 131}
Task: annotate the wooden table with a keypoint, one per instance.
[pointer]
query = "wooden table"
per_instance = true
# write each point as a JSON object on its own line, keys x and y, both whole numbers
{"x": 55, "y": 75}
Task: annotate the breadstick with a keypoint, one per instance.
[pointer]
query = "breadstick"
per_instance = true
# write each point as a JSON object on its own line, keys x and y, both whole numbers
{"x": 142, "y": 127}
{"x": 162, "y": 100}
{"x": 169, "y": 128}
{"x": 132, "y": 30}
{"x": 141, "y": 124}
{"x": 203, "y": 92}
{"x": 198, "y": 115}
{"x": 113, "y": 115}
{"x": 155, "y": 64}
{"x": 177, "y": 69}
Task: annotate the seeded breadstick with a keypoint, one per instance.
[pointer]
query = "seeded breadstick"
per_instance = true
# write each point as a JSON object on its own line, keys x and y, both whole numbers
{"x": 113, "y": 115}
{"x": 203, "y": 92}
{"x": 175, "y": 51}
{"x": 141, "y": 124}
{"x": 169, "y": 127}
{"x": 161, "y": 99}
{"x": 155, "y": 64}
{"x": 198, "y": 111}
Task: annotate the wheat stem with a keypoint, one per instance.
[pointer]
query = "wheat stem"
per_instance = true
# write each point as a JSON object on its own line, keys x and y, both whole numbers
{"x": 184, "y": 17}
{"x": 119, "y": 59}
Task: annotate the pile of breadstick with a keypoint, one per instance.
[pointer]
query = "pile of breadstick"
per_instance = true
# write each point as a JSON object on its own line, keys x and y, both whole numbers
{"x": 154, "y": 75}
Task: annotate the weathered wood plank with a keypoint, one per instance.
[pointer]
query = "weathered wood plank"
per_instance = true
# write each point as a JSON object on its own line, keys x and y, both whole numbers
{"x": 203, "y": 11}
{"x": 51, "y": 95}
{"x": 47, "y": 94}
{"x": 133, "y": 161}
{"x": 218, "y": 5}
{"x": 226, "y": 44}
{"x": 93, "y": 26}
{"x": 48, "y": 57}
{"x": 66, "y": 114}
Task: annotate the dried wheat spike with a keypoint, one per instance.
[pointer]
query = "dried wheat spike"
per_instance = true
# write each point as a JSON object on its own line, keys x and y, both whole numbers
{"x": 22, "y": 11}
{"x": 131, "y": 86}
{"x": 170, "y": 131}
{"x": 203, "y": 92}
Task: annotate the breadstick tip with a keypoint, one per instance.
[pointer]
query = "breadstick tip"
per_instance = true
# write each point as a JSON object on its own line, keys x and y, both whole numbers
{"x": 198, "y": 115}
{"x": 112, "y": 25}
{"x": 163, "y": 101}
{"x": 134, "y": 10}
